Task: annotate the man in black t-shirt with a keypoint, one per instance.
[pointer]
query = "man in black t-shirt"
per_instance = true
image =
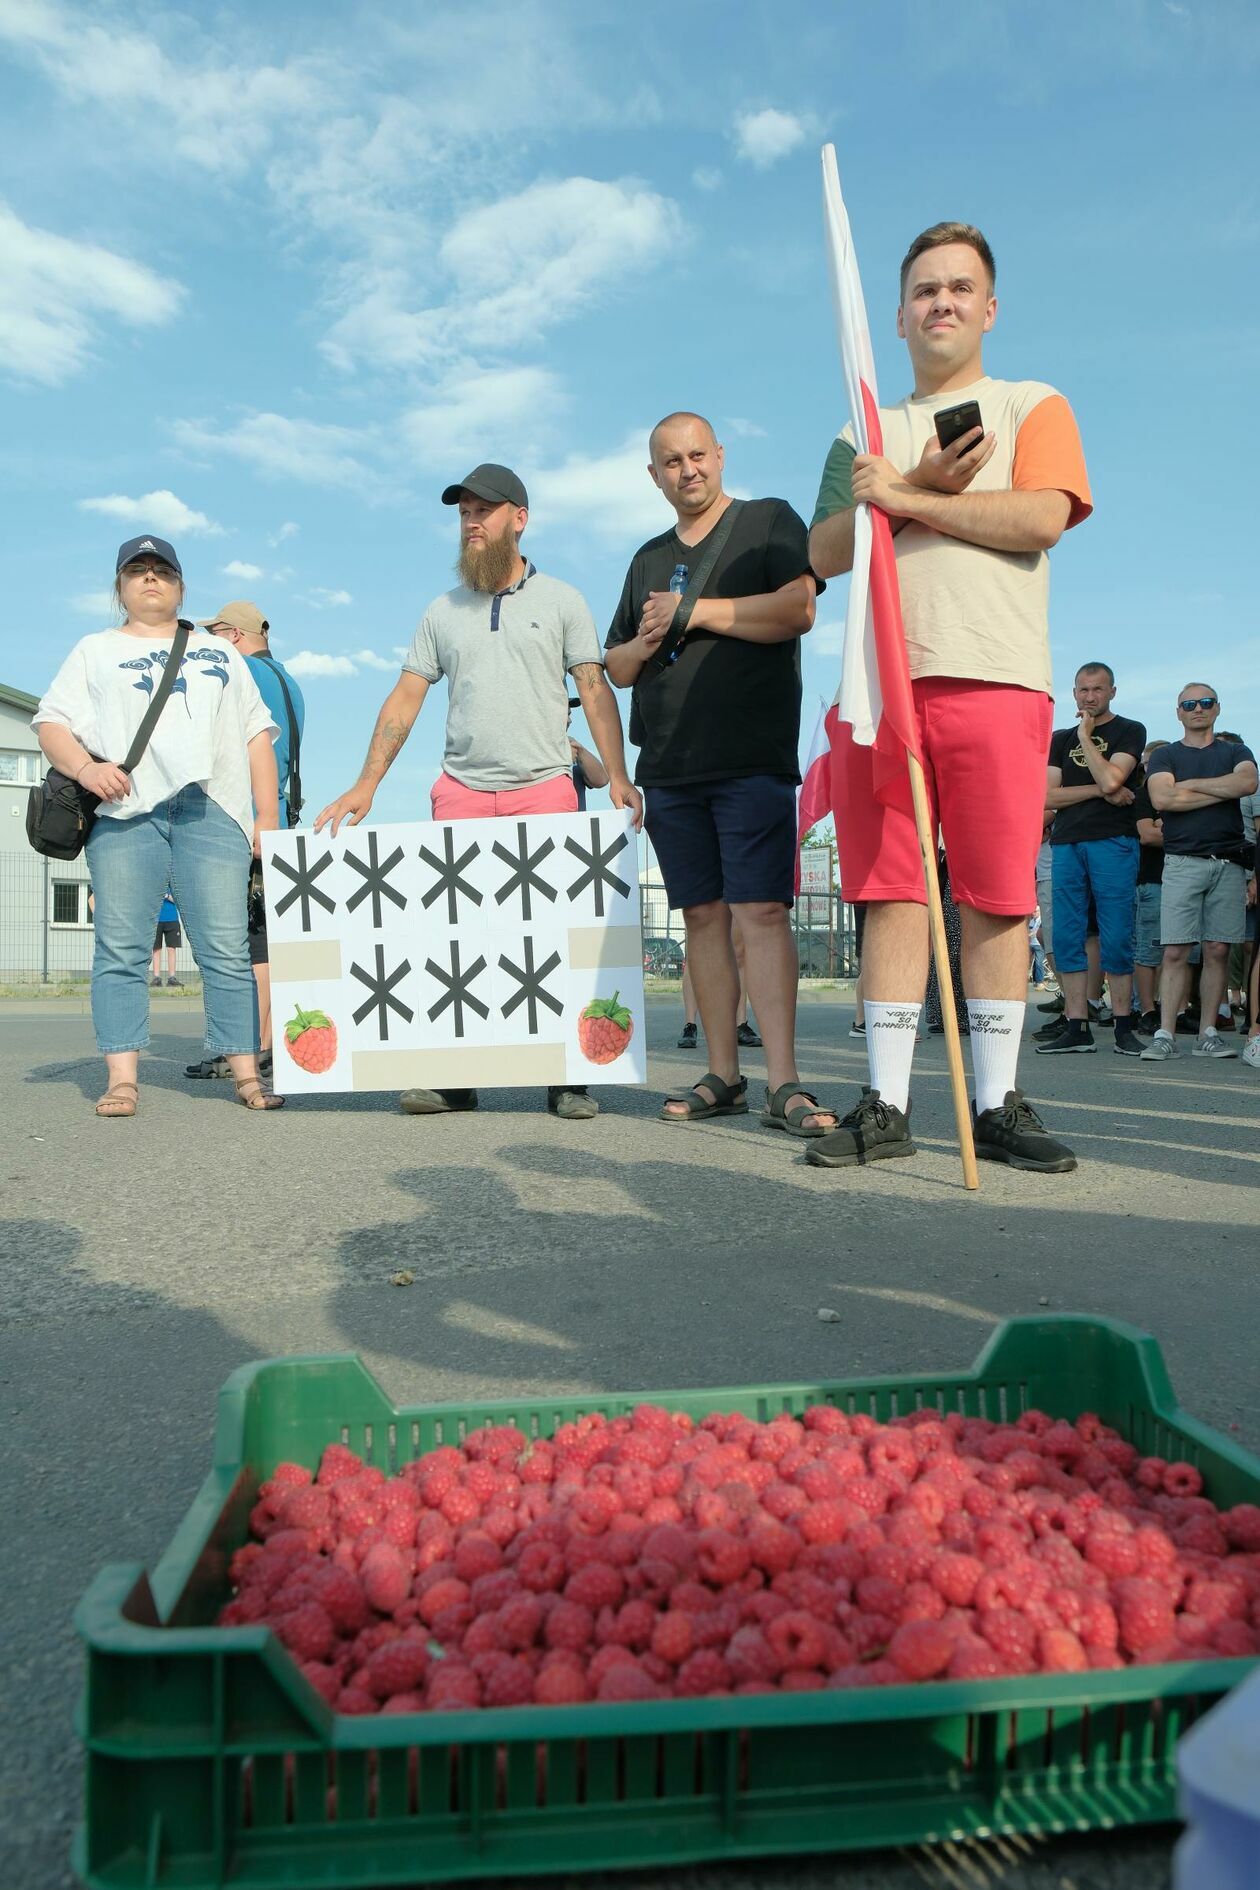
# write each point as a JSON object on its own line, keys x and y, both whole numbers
{"x": 1093, "y": 856}
{"x": 716, "y": 716}
{"x": 1196, "y": 785}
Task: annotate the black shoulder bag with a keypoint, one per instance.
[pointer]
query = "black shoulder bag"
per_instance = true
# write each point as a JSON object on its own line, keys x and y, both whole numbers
{"x": 671, "y": 643}
{"x": 293, "y": 792}
{"x": 60, "y": 814}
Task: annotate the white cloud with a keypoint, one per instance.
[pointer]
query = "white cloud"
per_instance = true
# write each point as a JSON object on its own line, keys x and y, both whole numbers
{"x": 370, "y": 660}
{"x": 762, "y": 138}
{"x": 320, "y": 599}
{"x": 280, "y": 448}
{"x": 238, "y": 568}
{"x": 94, "y": 603}
{"x": 479, "y": 413}
{"x": 611, "y": 494}
{"x": 287, "y": 530}
{"x": 156, "y": 512}
{"x": 707, "y": 177}
{"x": 312, "y": 663}
{"x": 744, "y": 429}
{"x": 53, "y": 292}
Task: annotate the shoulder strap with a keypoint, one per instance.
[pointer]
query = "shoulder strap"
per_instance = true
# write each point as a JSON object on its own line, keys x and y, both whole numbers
{"x": 293, "y": 793}
{"x": 704, "y": 570}
{"x": 170, "y": 670}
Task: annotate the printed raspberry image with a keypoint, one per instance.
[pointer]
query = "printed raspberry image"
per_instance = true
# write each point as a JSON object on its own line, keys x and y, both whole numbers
{"x": 310, "y": 1037}
{"x": 604, "y": 1029}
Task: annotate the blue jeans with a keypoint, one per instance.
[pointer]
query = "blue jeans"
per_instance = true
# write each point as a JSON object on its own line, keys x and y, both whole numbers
{"x": 1108, "y": 870}
{"x": 190, "y": 844}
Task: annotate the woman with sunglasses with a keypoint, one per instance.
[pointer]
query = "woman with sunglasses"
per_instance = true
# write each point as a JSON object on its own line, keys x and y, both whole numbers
{"x": 185, "y": 818}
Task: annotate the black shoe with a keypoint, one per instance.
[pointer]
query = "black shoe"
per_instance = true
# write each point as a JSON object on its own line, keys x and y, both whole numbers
{"x": 1055, "y": 1028}
{"x": 1128, "y": 1043}
{"x": 571, "y": 1104}
{"x": 266, "y": 1065}
{"x": 173, "y": 984}
{"x": 857, "y": 1030}
{"x": 210, "y": 1066}
{"x": 687, "y": 1037}
{"x": 747, "y": 1037}
{"x": 436, "y": 1102}
{"x": 873, "y": 1131}
{"x": 1148, "y": 1023}
{"x": 1055, "y": 1004}
{"x": 1100, "y": 1015}
{"x": 1016, "y": 1134}
{"x": 1188, "y": 1024}
{"x": 1075, "y": 1039}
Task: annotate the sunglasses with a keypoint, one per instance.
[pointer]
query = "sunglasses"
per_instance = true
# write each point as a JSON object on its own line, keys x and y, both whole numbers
{"x": 1197, "y": 702}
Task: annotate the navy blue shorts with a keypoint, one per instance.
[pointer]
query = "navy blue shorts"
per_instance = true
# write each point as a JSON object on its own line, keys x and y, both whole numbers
{"x": 733, "y": 840}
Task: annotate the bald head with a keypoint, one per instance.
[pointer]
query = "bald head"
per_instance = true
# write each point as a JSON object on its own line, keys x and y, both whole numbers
{"x": 672, "y": 423}
{"x": 686, "y": 463}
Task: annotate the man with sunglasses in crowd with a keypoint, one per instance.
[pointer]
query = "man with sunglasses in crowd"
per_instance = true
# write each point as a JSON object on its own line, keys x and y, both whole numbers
{"x": 1196, "y": 785}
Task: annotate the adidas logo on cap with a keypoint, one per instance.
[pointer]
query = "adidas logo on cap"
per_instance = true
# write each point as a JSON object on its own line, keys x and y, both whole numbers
{"x": 146, "y": 544}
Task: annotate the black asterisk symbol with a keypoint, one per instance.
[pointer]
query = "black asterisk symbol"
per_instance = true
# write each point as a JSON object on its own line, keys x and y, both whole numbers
{"x": 450, "y": 871}
{"x": 381, "y": 996}
{"x": 530, "y": 979}
{"x": 524, "y": 875}
{"x": 375, "y": 880}
{"x": 304, "y": 887}
{"x": 596, "y": 863}
{"x": 458, "y": 988}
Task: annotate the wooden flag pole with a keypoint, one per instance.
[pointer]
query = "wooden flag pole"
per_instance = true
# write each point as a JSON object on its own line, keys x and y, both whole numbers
{"x": 944, "y": 977}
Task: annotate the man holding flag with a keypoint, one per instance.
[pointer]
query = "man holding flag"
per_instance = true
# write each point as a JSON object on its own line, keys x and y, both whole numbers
{"x": 973, "y": 522}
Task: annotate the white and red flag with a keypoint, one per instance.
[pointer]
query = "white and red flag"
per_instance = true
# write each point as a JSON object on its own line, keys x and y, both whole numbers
{"x": 813, "y": 797}
{"x": 873, "y": 705}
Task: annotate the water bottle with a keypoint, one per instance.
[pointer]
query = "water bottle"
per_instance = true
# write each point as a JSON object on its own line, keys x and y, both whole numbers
{"x": 677, "y": 584}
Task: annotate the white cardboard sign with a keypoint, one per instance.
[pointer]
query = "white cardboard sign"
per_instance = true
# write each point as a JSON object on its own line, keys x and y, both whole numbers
{"x": 456, "y": 954}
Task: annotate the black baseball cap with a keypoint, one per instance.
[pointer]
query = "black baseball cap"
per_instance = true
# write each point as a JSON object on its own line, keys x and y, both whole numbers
{"x": 148, "y": 548}
{"x": 497, "y": 484}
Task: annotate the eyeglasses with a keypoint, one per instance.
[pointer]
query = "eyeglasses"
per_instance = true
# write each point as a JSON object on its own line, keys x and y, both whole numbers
{"x": 1197, "y": 702}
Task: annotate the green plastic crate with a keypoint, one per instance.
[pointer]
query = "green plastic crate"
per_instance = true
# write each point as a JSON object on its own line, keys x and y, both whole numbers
{"x": 211, "y": 1761}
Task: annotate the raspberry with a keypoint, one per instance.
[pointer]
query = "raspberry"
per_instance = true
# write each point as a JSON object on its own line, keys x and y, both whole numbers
{"x": 750, "y": 1656}
{"x": 1115, "y": 1553}
{"x": 541, "y": 1566}
{"x": 386, "y": 1579}
{"x": 306, "y": 1631}
{"x": 398, "y": 1667}
{"x": 828, "y": 1521}
{"x": 875, "y": 1594}
{"x": 341, "y": 1594}
{"x": 1144, "y": 1613}
{"x": 1235, "y": 1640}
{"x": 1099, "y": 1626}
{"x": 1182, "y": 1479}
{"x": 782, "y": 1500}
{"x": 506, "y": 1679}
{"x": 569, "y": 1625}
{"x": 796, "y": 1639}
{"x": 306, "y": 1507}
{"x": 477, "y": 1555}
{"x": 922, "y": 1603}
{"x": 673, "y": 1636}
{"x": 404, "y": 1703}
{"x": 561, "y": 1686}
{"x": 449, "y": 1592}
{"x": 722, "y": 1558}
{"x": 311, "y": 1040}
{"x": 921, "y": 1649}
{"x": 1059, "y": 1651}
{"x": 973, "y": 1660}
{"x": 356, "y": 1700}
{"x": 453, "y": 1687}
{"x": 596, "y": 1586}
{"x": 955, "y": 1576}
{"x": 1202, "y": 1535}
{"x": 705, "y": 1671}
{"x": 627, "y": 1681}
{"x": 460, "y": 1505}
{"x": 1242, "y": 1527}
{"x": 773, "y": 1547}
{"x": 520, "y": 1621}
{"x": 1012, "y": 1637}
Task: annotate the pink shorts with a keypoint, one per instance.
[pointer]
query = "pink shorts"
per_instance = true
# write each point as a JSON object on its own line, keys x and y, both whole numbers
{"x": 984, "y": 759}
{"x": 451, "y": 800}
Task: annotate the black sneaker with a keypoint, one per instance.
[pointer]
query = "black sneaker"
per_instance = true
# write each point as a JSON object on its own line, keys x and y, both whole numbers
{"x": 1055, "y": 1028}
{"x": 174, "y": 984}
{"x": 1101, "y": 1015}
{"x": 1188, "y": 1024}
{"x": 1075, "y": 1039}
{"x": 747, "y": 1037}
{"x": 1055, "y": 1004}
{"x": 1016, "y": 1134}
{"x": 873, "y": 1131}
{"x": 1128, "y": 1043}
{"x": 1148, "y": 1023}
{"x": 687, "y": 1037}
{"x": 857, "y": 1030}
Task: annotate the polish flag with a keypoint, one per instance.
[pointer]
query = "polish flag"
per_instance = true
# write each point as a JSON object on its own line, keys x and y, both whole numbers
{"x": 873, "y": 705}
{"x": 813, "y": 796}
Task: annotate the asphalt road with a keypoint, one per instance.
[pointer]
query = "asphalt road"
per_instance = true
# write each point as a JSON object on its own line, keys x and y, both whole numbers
{"x": 144, "y": 1260}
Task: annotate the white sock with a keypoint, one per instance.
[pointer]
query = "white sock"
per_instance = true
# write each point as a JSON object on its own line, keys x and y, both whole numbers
{"x": 890, "y": 1033}
{"x": 996, "y": 1024}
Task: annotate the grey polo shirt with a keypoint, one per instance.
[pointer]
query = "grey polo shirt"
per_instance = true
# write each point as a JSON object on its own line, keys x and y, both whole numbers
{"x": 506, "y": 659}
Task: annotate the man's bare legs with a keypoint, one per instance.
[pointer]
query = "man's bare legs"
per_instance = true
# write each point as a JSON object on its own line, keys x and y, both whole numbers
{"x": 1212, "y": 982}
{"x": 715, "y": 983}
{"x": 994, "y": 955}
{"x": 773, "y": 970}
{"x": 895, "y": 953}
{"x": 688, "y": 995}
{"x": 1146, "y": 976}
{"x": 737, "y": 940}
{"x": 1172, "y": 983}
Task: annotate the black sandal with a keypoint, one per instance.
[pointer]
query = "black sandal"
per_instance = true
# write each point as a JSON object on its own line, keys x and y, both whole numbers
{"x": 730, "y": 1099}
{"x": 209, "y": 1066}
{"x": 792, "y": 1120}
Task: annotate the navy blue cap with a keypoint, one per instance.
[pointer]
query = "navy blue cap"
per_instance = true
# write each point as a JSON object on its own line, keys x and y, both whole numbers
{"x": 495, "y": 484}
{"x": 148, "y": 548}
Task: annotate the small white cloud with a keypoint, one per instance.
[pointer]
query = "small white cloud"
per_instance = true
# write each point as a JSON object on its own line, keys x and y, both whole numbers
{"x": 370, "y": 660}
{"x": 312, "y": 663}
{"x": 611, "y": 494}
{"x": 320, "y": 599}
{"x": 762, "y": 138}
{"x": 281, "y": 448}
{"x": 287, "y": 530}
{"x": 238, "y": 568}
{"x": 744, "y": 429}
{"x": 158, "y": 512}
{"x": 706, "y": 177}
{"x": 475, "y": 413}
{"x": 402, "y": 651}
{"x": 94, "y": 603}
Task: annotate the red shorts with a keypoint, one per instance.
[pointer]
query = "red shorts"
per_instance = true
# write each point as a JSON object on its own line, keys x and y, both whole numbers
{"x": 984, "y": 759}
{"x": 451, "y": 800}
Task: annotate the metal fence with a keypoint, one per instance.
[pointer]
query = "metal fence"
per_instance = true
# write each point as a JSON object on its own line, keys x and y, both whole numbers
{"x": 822, "y": 925}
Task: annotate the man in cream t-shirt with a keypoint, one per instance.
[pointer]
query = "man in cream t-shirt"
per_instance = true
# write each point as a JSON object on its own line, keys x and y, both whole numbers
{"x": 972, "y": 525}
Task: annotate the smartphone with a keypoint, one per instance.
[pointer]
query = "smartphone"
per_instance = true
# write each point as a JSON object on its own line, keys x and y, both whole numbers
{"x": 953, "y": 422}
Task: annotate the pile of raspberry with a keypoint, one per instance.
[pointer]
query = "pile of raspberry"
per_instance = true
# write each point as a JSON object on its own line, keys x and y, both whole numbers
{"x": 650, "y": 1557}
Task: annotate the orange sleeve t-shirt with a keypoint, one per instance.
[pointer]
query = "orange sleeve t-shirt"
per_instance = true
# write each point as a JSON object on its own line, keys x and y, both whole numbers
{"x": 1049, "y": 456}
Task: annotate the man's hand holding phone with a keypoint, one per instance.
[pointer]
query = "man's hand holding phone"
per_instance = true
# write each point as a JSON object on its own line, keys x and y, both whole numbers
{"x": 961, "y": 447}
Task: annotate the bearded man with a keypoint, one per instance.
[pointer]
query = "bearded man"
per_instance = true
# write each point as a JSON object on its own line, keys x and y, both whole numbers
{"x": 506, "y": 639}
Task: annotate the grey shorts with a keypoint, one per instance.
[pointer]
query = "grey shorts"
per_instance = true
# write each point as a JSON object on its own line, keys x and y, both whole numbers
{"x": 1147, "y": 949}
{"x": 1202, "y": 899}
{"x": 1045, "y": 905}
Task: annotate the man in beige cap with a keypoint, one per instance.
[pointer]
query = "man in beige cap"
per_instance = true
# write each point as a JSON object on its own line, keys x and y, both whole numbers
{"x": 243, "y": 624}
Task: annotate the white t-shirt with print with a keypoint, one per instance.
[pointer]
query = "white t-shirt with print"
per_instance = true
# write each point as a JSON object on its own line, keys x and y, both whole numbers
{"x": 105, "y": 685}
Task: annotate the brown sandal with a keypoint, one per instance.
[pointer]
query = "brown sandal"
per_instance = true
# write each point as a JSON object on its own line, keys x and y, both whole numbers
{"x": 114, "y": 1103}
{"x": 252, "y": 1095}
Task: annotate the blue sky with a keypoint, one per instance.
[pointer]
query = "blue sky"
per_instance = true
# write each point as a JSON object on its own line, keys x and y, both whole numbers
{"x": 270, "y": 276}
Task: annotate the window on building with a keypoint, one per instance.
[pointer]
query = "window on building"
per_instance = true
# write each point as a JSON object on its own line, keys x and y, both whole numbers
{"x": 69, "y": 902}
{"x": 21, "y": 766}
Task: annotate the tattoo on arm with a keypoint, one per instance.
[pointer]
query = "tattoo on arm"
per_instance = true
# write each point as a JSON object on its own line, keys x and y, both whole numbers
{"x": 587, "y": 676}
{"x": 387, "y": 738}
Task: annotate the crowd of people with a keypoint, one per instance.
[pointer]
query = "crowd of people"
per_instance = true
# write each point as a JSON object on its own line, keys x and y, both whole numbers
{"x": 979, "y": 478}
